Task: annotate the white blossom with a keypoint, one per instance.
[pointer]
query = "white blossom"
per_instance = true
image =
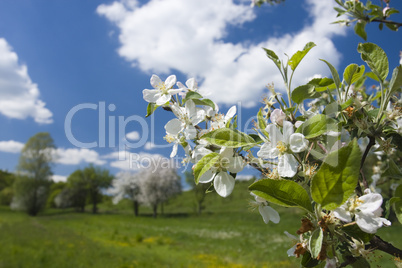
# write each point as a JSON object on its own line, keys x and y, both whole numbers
{"x": 281, "y": 146}
{"x": 267, "y": 212}
{"x": 162, "y": 91}
{"x": 367, "y": 211}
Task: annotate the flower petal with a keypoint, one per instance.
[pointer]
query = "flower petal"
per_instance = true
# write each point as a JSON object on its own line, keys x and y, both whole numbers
{"x": 268, "y": 151}
{"x": 170, "y": 81}
{"x": 298, "y": 143}
{"x": 268, "y": 214}
{"x": 287, "y": 131}
{"x": 236, "y": 164}
{"x": 192, "y": 84}
{"x": 190, "y": 132}
{"x": 163, "y": 99}
{"x": 274, "y": 134}
{"x": 208, "y": 176}
{"x": 370, "y": 202}
{"x": 368, "y": 223}
{"x": 277, "y": 117}
{"x": 231, "y": 113}
{"x": 174, "y": 150}
{"x": 156, "y": 81}
{"x": 343, "y": 214}
{"x": 151, "y": 95}
{"x": 173, "y": 127}
{"x": 287, "y": 165}
{"x": 224, "y": 184}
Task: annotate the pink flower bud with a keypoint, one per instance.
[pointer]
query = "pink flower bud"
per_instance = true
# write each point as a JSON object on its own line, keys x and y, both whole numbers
{"x": 277, "y": 117}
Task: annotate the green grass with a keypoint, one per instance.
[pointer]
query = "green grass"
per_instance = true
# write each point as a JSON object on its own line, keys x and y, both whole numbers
{"x": 228, "y": 234}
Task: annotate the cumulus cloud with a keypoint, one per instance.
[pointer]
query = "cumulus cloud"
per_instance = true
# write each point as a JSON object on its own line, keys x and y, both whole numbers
{"x": 19, "y": 96}
{"x": 75, "y": 156}
{"x": 11, "y": 146}
{"x": 161, "y": 36}
{"x": 150, "y": 146}
{"x": 129, "y": 161}
{"x": 134, "y": 135}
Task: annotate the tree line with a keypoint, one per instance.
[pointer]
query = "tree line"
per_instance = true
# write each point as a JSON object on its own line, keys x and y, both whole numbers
{"x": 31, "y": 188}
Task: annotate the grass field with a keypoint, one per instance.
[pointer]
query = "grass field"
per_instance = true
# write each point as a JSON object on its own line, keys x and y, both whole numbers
{"x": 228, "y": 234}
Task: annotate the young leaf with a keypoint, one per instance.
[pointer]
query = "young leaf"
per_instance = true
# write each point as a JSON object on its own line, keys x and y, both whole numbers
{"x": 317, "y": 125}
{"x": 299, "y": 55}
{"x": 151, "y": 108}
{"x": 334, "y": 73}
{"x": 192, "y": 95}
{"x": 353, "y": 73}
{"x": 360, "y": 31}
{"x": 282, "y": 192}
{"x": 396, "y": 80}
{"x": 206, "y": 102}
{"x": 262, "y": 124}
{"x": 315, "y": 243}
{"x": 336, "y": 179}
{"x": 204, "y": 165}
{"x": 227, "y": 137}
{"x": 272, "y": 56}
{"x": 301, "y": 93}
{"x": 375, "y": 58}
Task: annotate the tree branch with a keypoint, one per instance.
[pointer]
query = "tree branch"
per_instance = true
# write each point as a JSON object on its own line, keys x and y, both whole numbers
{"x": 397, "y": 24}
{"x": 369, "y": 145}
{"x": 377, "y": 243}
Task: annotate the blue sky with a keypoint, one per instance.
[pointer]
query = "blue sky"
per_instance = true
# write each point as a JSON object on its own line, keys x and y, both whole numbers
{"x": 57, "y": 56}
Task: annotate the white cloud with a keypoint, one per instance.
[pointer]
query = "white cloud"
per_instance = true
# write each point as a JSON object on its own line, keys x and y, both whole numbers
{"x": 135, "y": 161}
{"x": 19, "y": 96}
{"x": 75, "y": 156}
{"x": 134, "y": 135}
{"x": 58, "y": 178}
{"x": 11, "y": 146}
{"x": 150, "y": 146}
{"x": 161, "y": 36}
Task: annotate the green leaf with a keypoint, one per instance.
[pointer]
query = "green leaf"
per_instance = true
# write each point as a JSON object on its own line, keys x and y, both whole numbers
{"x": 396, "y": 79}
{"x": 360, "y": 263}
{"x": 322, "y": 84}
{"x": 191, "y": 95}
{"x": 151, "y": 108}
{"x": 282, "y": 192}
{"x": 393, "y": 171}
{"x": 271, "y": 55}
{"x": 205, "y": 164}
{"x": 315, "y": 243}
{"x": 262, "y": 124}
{"x": 317, "y": 125}
{"x": 299, "y": 55}
{"x": 206, "y": 102}
{"x": 375, "y": 58}
{"x": 301, "y": 93}
{"x": 336, "y": 179}
{"x": 308, "y": 261}
{"x": 398, "y": 203}
{"x": 227, "y": 137}
{"x": 353, "y": 73}
{"x": 372, "y": 76}
{"x": 334, "y": 73}
{"x": 359, "y": 29}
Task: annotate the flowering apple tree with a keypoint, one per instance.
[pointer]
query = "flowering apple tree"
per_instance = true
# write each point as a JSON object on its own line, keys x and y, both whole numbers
{"x": 310, "y": 146}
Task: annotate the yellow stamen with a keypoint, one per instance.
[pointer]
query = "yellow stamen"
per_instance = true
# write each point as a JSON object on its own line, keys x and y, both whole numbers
{"x": 281, "y": 147}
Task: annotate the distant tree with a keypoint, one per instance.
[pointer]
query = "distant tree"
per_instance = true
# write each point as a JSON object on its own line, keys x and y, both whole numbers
{"x": 200, "y": 190}
{"x": 77, "y": 189}
{"x": 158, "y": 184}
{"x": 97, "y": 179}
{"x": 6, "y": 187}
{"x": 33, "y": 174}
{"x": 127, "y": 185}
{"x": 55, "y": 189}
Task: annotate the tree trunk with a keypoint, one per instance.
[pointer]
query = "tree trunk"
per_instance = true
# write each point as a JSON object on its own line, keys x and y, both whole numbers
{"x": 162, "y": 209}
{"x": 199, "y": 207}
{"x": 135, "y": 205}
{"x": 155, "y": 209}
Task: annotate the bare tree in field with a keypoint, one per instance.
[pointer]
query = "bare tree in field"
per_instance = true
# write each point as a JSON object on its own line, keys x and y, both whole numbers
{"x": 127, "y": 185}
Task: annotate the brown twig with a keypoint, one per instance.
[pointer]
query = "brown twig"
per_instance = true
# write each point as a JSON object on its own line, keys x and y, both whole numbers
{"x": 377, "y": 243}
{"x": 369, "y": 145}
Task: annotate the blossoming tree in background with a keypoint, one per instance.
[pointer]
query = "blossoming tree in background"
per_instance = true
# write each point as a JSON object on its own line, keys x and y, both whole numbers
{"x": 313, "y": 159}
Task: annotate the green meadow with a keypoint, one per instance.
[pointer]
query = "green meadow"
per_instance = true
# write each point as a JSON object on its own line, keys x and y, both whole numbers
{"x": 227, "y": 234}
